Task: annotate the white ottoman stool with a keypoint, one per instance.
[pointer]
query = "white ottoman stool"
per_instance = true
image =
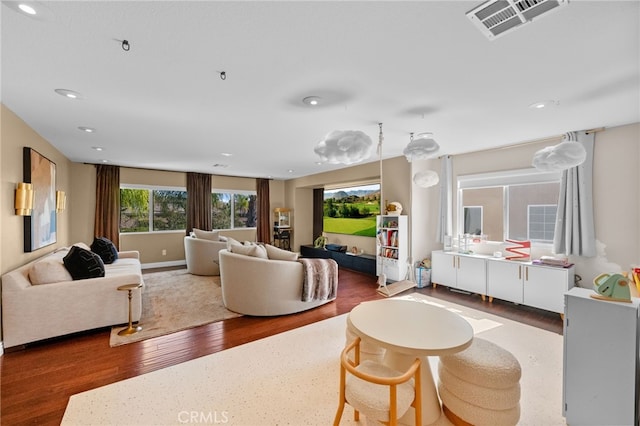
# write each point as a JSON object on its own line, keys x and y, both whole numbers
{"x": 480, "y": 385}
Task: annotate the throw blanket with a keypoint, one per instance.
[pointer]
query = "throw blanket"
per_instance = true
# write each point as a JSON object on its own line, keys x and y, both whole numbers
{"x": 320, "y": 279}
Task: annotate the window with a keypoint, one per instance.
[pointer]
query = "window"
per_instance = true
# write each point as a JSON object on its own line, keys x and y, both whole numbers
{"x": 149, "y": 209}
{"x": 233, "y": 210}
{"x": 516, "y": 204}
{"x": 542, "y": 222}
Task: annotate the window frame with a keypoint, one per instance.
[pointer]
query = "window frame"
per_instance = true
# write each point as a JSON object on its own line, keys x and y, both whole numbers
{"x": 502, "y": 179}
{"x": 232, "y": 193}
{"x": 151, "y": 188}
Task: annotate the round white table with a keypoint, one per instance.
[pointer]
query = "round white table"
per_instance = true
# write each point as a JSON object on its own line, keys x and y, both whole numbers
{"x": 408, "y": 329}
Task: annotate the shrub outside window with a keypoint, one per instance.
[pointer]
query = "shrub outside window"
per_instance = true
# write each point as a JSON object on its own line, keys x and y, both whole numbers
{"x": 232, "y": 210}
{"x": 152, "y": 209}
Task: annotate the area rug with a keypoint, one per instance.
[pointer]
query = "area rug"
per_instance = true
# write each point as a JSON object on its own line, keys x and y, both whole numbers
{"x": 292, "y": 379}
{"x": 174, "y": 301}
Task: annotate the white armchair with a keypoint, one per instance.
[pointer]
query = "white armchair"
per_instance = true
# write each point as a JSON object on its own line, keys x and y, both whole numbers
{"x": 202, "y": 255}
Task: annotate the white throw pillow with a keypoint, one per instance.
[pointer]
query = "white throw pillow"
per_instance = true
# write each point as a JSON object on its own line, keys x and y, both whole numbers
{"x": 248, "y": 250}
{"x": 206, "y": 235}
{"x": 49, "y": 271}
{"x": 277, "y": 253}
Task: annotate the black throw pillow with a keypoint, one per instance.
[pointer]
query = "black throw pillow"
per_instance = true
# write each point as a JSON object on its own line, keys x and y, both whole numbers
{"x": 83, "y": 264}
{"x": 104, "y": 248}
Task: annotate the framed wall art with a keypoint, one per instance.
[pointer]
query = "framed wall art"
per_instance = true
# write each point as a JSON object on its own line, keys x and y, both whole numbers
{"x": 40, "y": 228}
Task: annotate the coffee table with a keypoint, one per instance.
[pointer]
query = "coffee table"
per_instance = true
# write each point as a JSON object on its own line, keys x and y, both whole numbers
{"x": 408, "y": 329}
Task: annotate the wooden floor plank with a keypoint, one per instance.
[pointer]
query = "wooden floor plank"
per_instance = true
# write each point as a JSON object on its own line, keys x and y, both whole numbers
{"x": 36, "y": 382}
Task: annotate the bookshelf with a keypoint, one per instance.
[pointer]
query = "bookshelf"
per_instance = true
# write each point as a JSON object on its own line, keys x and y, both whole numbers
{"x": 392, "y": 246}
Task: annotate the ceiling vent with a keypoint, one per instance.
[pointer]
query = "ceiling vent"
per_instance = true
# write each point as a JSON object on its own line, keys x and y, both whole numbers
{"x": 497, "y": 17}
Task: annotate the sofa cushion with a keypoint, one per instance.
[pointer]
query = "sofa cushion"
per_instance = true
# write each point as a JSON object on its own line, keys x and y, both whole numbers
{"x": 205, "y": 235}
{"x": 49, "y": 270}
{"x": 254, "y": 250}
{"x": 83, "y": 264}
{"x": 276, "y": 253}
{"x": 104, "y": 248}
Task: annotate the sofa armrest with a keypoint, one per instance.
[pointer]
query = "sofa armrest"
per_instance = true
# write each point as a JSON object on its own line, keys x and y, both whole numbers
{"x": 130, "y": 254}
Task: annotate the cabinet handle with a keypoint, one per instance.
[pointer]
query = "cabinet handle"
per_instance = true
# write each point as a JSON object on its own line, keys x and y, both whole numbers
{"x": 519, "y": 272}
{"x": 526, "y": 273}
{"x": 453, "y": 259}
{"x": 458, "y": 262}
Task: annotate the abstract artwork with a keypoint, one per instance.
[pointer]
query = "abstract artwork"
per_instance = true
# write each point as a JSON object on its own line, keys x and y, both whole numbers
{"x": 40, "y": 228}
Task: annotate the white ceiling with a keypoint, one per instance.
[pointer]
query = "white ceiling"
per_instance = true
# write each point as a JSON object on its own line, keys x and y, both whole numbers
{"x": 414, "y": 66}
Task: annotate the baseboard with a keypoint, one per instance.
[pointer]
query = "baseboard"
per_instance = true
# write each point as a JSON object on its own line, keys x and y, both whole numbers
{"x": 164, "y": 264}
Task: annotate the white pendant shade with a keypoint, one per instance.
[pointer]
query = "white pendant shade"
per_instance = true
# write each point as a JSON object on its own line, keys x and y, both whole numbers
{"x": 426, "y": 179}
{"x": 559, "y": 157}
{"x": 344, "y": 147}
{"x": 421, "y": 147}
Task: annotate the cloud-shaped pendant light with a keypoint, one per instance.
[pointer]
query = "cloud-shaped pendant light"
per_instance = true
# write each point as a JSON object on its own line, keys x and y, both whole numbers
{"x": 344, "y": 147}
{"x": 426, "y": 178}
{"x": 565, "y": 155}
{"x": 421, "y": 147}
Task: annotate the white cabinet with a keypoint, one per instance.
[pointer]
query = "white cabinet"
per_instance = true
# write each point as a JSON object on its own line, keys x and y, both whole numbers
{"x": 505, "y": 280}
{"x": 465, "y": 272}
{"x": 539, "y": 286}
{"x": 392, "y": 246}
{"x": 600, "y": 374}
{"x": 545, "y": 286}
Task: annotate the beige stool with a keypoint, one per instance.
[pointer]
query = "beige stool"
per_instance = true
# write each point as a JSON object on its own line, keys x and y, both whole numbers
{"x": 480, "y": 385}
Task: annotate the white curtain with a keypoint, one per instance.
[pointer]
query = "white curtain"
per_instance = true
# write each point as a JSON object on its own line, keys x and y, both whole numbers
{"x": 574, "y": 231}
{"x": 445, "y": 219}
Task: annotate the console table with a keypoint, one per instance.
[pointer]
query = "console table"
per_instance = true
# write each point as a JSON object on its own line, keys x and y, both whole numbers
{"x": 362, "y": 262}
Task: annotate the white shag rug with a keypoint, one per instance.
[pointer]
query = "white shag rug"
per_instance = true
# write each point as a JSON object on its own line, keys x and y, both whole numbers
{"x": 292, "y": 379}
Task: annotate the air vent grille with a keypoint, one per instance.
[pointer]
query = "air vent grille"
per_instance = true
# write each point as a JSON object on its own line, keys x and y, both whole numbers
{"x": 496, "y": 17}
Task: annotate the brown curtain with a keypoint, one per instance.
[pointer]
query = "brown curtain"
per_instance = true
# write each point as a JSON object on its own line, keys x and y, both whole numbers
{"x": 198, "y": 201}
{"x": 318, "y": 212}
{"x": 263, "y": 233}
{"x": 107, "y": 218}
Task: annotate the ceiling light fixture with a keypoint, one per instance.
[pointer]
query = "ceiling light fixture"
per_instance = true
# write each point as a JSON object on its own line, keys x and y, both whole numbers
{"x": 312, "y": 100}
{"x": 86, "y": 129}
{"x": 125, "y": 45}
{"x": 68, "y": 93}
{"x": 421, "y": 147}
{"x": 226, "y": 154}
{"x": 544, "y": 104}
{"x": 223, "y": 75}
{"x": 27, "y": 9}
{"x": 97, "y": 148}
{"x": 567, "y": 154}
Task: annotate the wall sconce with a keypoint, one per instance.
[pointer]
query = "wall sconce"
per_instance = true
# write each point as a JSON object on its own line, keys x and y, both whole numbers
{"x": 24, "y": 199}
{"x": 61, "y": 201}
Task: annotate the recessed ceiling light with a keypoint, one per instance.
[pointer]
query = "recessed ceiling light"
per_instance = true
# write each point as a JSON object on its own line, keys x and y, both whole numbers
{"x": 312, "y": 100}
{"x": 543, "y": 104}
{"x": 68, "y": 93}
{"x": 87, "y": 129}
{"x": 27, "y": 9}
{"x": 226, "y": 154}
{"x": 97, "y": 148}
{"x": 105, "y": 161}
{"x": 290, "y": 171}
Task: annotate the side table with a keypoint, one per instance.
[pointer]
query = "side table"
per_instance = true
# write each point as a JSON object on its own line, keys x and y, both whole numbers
{"x": 130, "y": 329}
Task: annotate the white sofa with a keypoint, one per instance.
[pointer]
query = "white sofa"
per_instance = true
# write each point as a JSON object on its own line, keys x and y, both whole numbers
{"x": 201, "y": 255}
{"x": 263, "y": 287}
{"x": 32, "y": 312}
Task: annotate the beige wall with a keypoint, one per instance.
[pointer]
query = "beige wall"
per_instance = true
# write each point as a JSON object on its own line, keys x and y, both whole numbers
{"x": 16, "y": 134}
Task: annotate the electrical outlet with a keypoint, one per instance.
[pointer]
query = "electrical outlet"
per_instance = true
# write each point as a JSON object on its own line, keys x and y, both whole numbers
{"x": 164, "y": 252}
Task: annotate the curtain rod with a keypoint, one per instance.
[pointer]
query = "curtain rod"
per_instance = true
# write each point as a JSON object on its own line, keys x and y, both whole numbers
{"x": 513, "y": 145}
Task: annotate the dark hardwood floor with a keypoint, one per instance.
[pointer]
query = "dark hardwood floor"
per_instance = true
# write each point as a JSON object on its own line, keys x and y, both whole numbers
{"x": 37, "y": 381}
